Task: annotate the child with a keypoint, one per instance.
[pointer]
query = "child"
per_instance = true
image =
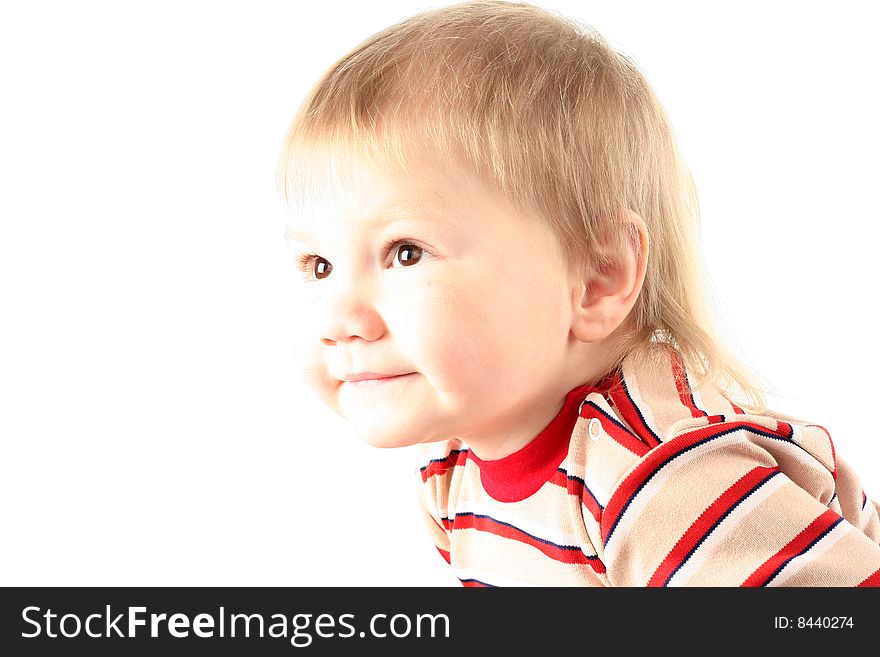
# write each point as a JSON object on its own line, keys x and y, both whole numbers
{"x": 497, "y": 241}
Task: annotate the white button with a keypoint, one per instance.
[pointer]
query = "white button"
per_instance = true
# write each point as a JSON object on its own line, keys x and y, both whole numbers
{"x": 595, "y": 429}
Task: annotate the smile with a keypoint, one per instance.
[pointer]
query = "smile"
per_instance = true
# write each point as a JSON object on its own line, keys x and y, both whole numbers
{"x": 375, "y": 383}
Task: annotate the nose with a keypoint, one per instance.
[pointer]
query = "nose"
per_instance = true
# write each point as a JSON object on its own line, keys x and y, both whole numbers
{"x": 350, "y": 312}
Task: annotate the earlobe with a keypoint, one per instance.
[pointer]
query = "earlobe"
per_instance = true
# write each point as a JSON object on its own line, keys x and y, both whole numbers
{"x": 603, "y": 298}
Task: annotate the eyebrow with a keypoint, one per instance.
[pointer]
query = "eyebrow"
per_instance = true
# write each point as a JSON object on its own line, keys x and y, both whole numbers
{"x": 395, "y": 215}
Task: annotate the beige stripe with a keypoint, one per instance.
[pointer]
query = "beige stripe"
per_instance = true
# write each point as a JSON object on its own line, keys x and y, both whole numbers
{"x": 815, "y": 441}
{"x": 632, "y": 386}
{"x": 871, "y": 527}
{"x": 431, "y": 451}
{"x": 713, "y": 402}
{"x": 835, "y": 506}
{"x": 801, "y": 568}
{"x": 607, "y": 461}
{"x": 660, "y": 395}
{"x": 849, "y": 492}
{"x": 496, "y": 558}
{"x": 759, "y": 536}
{"x": 800, "y": 466}
{"x": 706, "y": 550}
{"x": 847, "y": 563}
{"x": 673, "y": 500}
{"x": 437, "y": 535}
{"x": 552, "y": 525}
{"x": 695, "y": 393}
{"x": 554, "y": 505}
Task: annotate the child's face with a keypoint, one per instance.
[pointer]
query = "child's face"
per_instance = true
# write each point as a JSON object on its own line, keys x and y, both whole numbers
{"x": 470, "y": 310}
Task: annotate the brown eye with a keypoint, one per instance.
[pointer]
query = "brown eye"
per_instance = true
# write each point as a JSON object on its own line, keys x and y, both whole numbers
{"x": 322, "y": 268}
{"x": 409, "y": 254}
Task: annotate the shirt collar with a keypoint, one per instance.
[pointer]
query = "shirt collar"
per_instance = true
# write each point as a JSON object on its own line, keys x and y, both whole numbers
{"x": 650, "y": 402}
{"x": 520, "y": 474}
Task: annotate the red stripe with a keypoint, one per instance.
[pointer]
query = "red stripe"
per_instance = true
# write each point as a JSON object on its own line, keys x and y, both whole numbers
{"x": 706, "y": 522}
{"x": 791, "y": 549}
{"x": 472, "y": 584}
{"x": 630, "y": 412}
{"x": 577, "y": 488}
{"x": 784, "y": 428}
{"x": 560, "y": 479}
{"x": 444, "y": 554}
{"x": 652, "y": 461}
{"x": 613, "y": 429}
{"x": 871, "y": 580}
{"x": 489, "y": 525}
{"x": 681, "y": 383}
{"x": 443, "y": 465}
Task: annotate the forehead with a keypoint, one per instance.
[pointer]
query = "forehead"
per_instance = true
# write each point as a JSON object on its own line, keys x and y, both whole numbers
{"x": 370, "y": 192}
{"x": 340, "y": 192}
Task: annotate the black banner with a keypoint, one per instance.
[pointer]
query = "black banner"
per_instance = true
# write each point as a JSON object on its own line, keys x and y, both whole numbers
{"x": 341, "y": 621}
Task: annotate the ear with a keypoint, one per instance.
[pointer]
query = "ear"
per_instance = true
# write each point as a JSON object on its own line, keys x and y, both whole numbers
{"x": 602, "y": 299}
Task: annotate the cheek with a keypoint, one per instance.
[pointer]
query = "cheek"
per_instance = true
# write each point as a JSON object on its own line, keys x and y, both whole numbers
{"x": 309, "y": 361}
{"x": 509, "y": 328}
{"x": 419, "y": 319}
{"x": 458, "y": 338}
{"x": 315, "y": 375}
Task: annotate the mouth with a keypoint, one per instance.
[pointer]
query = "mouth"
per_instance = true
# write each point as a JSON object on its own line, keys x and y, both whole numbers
{"x": 379, "y": 381}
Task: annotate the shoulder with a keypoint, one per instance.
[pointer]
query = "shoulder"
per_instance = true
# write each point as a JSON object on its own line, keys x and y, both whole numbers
{"x": 732, "y": 500}
{"x": 655, "y": 427}
{"x": 438, "y": 466}
{"x": 440, "y": 455}
{"x": 690, "y": 489}
{"x": 721, "y": 446}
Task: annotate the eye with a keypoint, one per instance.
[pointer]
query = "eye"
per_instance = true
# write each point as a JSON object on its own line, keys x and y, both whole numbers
{"x": 313, "y": 266}
{"x": 316, "y": 268}
{"x": 322, "y": 268}
{"x": 408, "y": 254}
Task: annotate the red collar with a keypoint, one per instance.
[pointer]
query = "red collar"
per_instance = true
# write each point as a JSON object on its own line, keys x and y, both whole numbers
{"x": 519, "y": 475}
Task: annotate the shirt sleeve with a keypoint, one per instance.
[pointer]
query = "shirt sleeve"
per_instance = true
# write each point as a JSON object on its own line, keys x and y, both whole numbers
{"x": 738, "y": 507}
{"x": 433, "y": 522}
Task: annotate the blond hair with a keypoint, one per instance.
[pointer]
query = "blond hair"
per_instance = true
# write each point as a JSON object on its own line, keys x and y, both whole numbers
{"x": 564, "y": 125}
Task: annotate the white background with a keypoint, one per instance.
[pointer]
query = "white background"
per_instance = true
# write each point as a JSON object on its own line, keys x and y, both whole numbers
{"x": 154, "y": 430}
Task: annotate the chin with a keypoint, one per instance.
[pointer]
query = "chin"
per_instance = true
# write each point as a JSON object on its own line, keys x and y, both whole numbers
{"x": 385, "y": 440}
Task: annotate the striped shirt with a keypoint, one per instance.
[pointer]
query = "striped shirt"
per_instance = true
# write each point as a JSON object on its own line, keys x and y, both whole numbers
{"x": 643, "y": 481}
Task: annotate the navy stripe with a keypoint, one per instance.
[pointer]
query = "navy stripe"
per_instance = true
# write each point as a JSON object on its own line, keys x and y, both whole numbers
{"x": 694, "y": 401}
{"x": 718, "y": 522}
{"x": 582, "y": 483}
{"x": 674, "y": 456}
{"x": 638, "y": 410}
{"x": 615, "y": 422}
{"x": 445, "y": 458}
{"x": 806, "y": 549}
{"x": 690, "y": 390}
{"x": 537, "y": 538}
{"x": 477, "y": 581}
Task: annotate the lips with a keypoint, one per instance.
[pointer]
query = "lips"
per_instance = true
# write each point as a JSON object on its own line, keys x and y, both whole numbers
{"x": 371, "y": 376}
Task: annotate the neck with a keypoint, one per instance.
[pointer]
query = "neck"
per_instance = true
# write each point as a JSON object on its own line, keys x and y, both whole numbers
{"x": 526, "y": 419}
